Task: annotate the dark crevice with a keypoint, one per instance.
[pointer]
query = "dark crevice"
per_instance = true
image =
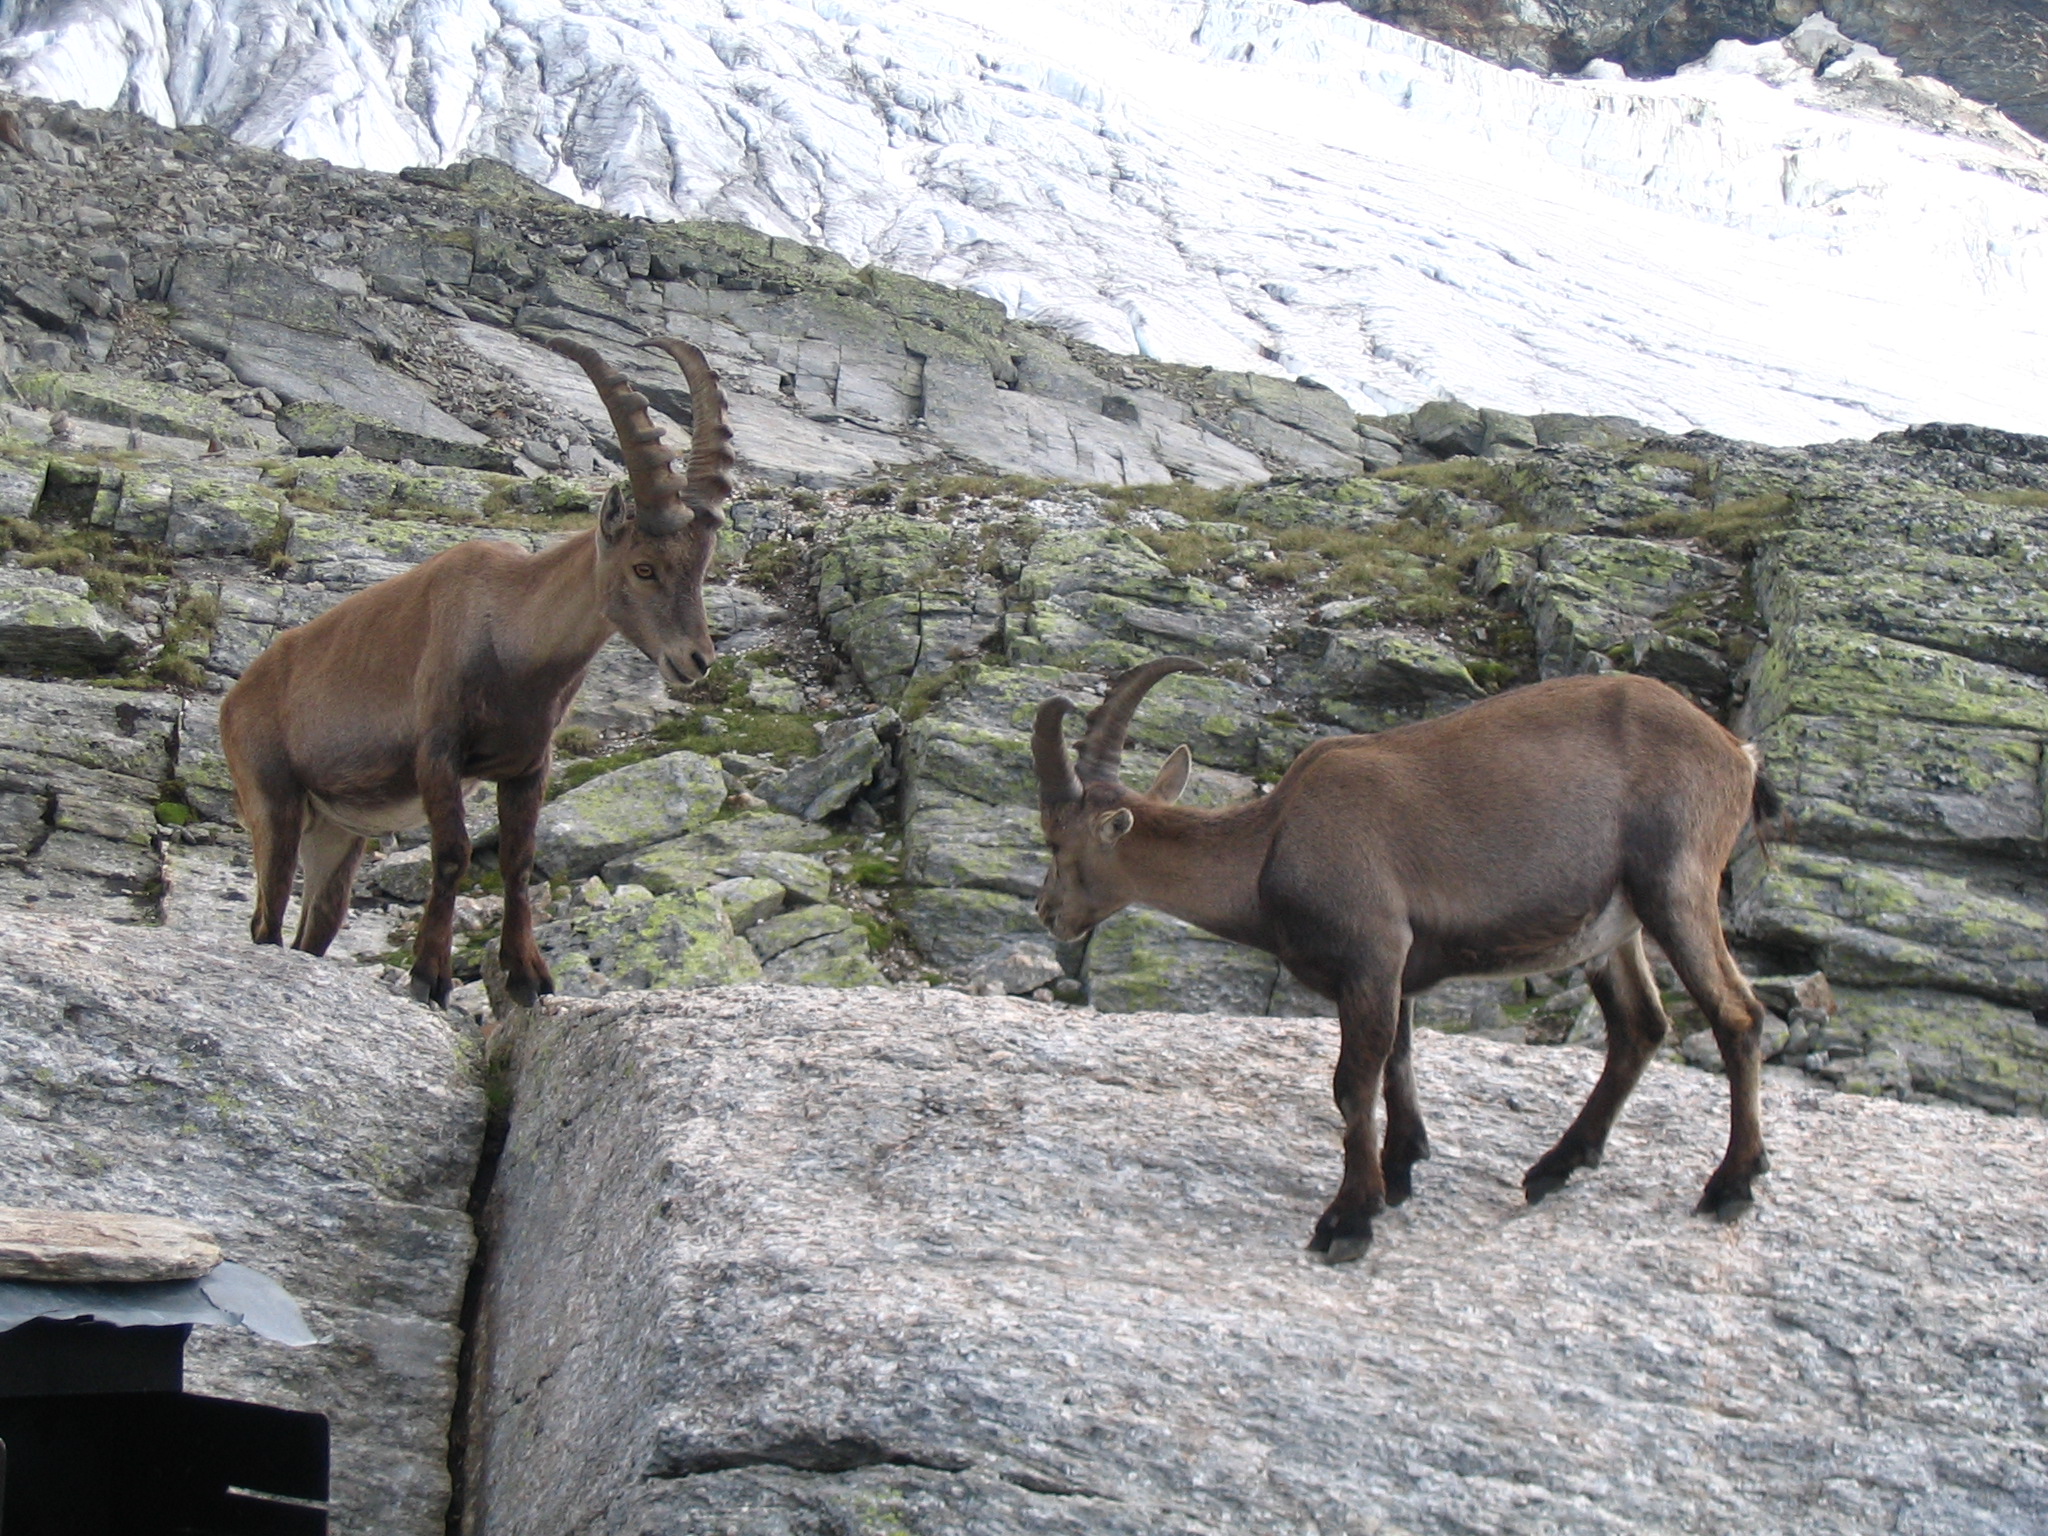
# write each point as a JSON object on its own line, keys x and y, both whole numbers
{"x": 839, "y": 1453}
{"x": 497, "y": 1125}
{"x": 1052, "y": 1487}
{"x": 46, "y": 824}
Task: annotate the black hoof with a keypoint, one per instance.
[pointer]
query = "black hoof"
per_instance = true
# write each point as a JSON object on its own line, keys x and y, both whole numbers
{"x": 1397, "y": 1164}
{"x": 1728, "y": 1192}
{"x": 1341, "y": 1239}
{"x": 528, "y": 990}
{"x": 1550, "y": 1172}
{"x": 429, "y": 989}
{"x": 1726, "y": 1206}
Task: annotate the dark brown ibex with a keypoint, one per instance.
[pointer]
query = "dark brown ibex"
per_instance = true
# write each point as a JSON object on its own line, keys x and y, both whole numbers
{"x": 377, "y": 715}
{"x": 1548, "y": 827}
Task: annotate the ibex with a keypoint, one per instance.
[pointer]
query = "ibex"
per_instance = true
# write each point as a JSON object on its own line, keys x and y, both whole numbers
{"x": 379, "y": 714}
{"x": 1548, "y": 827}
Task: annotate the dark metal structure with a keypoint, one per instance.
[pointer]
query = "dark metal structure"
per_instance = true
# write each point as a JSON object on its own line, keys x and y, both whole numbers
{"x": 99, "y": 1438}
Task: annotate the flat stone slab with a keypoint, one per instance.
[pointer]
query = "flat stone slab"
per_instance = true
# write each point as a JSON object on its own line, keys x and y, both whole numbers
{"x": 887, "y": 1261}
{"x": 90, "y": 1246}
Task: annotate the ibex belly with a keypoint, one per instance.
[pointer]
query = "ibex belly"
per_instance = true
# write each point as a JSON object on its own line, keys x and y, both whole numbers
{"x": 376, "y": 820}
{"x": 1591, "y": 939}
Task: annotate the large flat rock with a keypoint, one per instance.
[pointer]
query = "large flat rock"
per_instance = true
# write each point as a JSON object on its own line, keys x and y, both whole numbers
{"x": 322, "y": 1130}
{"x": 902, "y": 1261}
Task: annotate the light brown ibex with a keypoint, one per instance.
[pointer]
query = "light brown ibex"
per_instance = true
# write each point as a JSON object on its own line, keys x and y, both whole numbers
{"x": 1548, "y": 827}
{"x": 377, "y": 715}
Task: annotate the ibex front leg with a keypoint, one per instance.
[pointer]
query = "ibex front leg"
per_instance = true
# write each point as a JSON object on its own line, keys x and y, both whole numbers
{"x": 526, "y": 972}
{"x": 1369, "y": 1015}
{"x": 440, "y": 779}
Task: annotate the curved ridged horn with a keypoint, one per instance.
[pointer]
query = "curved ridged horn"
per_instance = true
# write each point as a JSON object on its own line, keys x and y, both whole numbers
{"x": 1057, "y": 784}
{"x": 709, "y": 485}
{"x": 1100, "y": 751}
{"x": 656, "y": 490}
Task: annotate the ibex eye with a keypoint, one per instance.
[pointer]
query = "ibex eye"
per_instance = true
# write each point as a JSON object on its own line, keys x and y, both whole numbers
{"x": 644, "y": 571}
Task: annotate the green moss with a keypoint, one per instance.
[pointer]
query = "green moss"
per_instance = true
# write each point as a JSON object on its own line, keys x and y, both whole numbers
{"x": 577, "y": 741}
{"x": 172, "y": 813}
{"x": 872, "y": 869}
{"x": 923, "y": 691}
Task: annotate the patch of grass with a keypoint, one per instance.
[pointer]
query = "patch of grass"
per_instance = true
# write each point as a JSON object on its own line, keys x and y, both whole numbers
{"x": 194, "y": 620}
{"x": 175, "y": 669}
{"x": 1735, "y": 528}
{"x": 772, "y": 562}
{"x": 1703, "y": 471}
{"x": 1481, "y": 478}
{"x": 757, "y": 733}
{"x": 114, "y": 569}
{"x": 1181, "y": 497}
{"x": 872, "y": 870}
{"x": 577, "y": 741}
{"x": 876, "y": 495}
{"x": 1414, "y": 571}
{"x": 2017, "y": 496}
{"x": 1188, "y": 551}
{"x": 268, "y": 551}
{"x": 984, "y": 487}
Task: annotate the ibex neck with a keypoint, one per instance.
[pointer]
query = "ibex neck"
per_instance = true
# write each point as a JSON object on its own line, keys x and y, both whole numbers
{"x": 563, "y": 622}
{"x": 1202, "y": 866}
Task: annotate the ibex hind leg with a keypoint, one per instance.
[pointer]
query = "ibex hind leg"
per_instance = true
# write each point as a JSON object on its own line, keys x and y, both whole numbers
{"x": 329, "y": 853}
{"x": 274, "y": 824}
{"x": 1369, "y": 1021}
{"x": 1690, "y": 932}
{"x": 1407, "y": 1140}
{"x": 1626, "y": 989}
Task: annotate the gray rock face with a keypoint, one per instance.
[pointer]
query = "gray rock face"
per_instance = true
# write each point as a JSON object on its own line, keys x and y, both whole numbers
{"x": 627, "y": 809}
{"x": 848, "y": 763}
{"x": 277, "y": 331}
{"x": 322, "y": 1130}
{"x": 81, "y": 771}
{"x": 50, "y": 622}
{"x": 930, "y": 1262}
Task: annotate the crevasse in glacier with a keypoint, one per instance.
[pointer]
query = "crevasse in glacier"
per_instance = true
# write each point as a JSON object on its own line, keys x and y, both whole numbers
{"x": 1751, "y": 247}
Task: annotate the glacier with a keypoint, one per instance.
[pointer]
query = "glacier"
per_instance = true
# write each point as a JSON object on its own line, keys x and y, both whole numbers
{"x": 1753, "y": 246}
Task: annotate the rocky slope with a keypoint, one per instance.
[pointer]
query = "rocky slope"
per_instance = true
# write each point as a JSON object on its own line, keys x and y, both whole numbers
{"x": 1251, "y": 184}
{"x": 849, "y": 799}
{"x": 901, "y": 1262}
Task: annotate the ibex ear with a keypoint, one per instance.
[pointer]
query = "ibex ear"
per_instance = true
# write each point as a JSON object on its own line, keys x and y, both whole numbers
{"x": 615, "y": 516}
{"x": 1111, "y": 826}
{"x": 1173, "y": 775}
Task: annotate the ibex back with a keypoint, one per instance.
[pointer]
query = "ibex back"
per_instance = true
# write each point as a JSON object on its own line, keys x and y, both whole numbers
{"x": 1549, "y": 827}
{"x": 380, "y": 713}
